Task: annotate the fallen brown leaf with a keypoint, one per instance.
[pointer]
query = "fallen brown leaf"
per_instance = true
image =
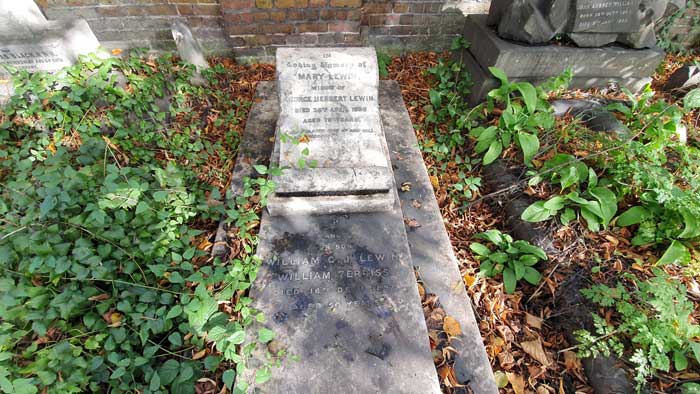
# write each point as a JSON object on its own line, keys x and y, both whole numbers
{"x": 535, "y": 350}
{"x": 452, "y": 327}
{"x": 517, "y": 382}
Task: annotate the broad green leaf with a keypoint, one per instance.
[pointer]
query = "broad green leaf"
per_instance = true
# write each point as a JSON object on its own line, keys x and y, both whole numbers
{"x": 592, "y": 178}
{"x": 532, "y": 276}
{"x": 435, "y": 98}
{"x": 608, "y": 203}
{"x": 676, "y": 253}
{"x": 680, "y": 362}
{"x": 519, "y": 269}
{"x": 528, "y": 259}
{"x": 23, "y": 386}
{"x": 499, "y": 257}
{"x": 509, "y": 280}
{"x": 592, "y": 220}
{"x": 692, "y": 99}
{"x": 634, "y": 215}
{"x": 567, "y": 216}
{"x": 494, "y": 236}
{"x": 228, "y": 376}
{"x": 536, "y": 213}
{"x": 479, "y": 249}
{"x": 690, "y": 388}
{"x": 555, "y": 203}
{"x": 500, "y": 74}
{"x": 529, "y": 94}
{"x": 493, "y": 153}
{"x": 527, "y": 247}
{"x": 695, "y": 347}
{"x": 692, "y": 224}
{"x": 530, "y": 144}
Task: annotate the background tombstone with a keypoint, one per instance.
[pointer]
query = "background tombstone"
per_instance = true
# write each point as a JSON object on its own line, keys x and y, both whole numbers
{"x": 190, "y": 50}
{"x": 29, "y": 42}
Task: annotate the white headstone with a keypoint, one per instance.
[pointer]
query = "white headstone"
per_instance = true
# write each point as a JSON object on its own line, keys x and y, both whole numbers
{"x": 329, "y": 133}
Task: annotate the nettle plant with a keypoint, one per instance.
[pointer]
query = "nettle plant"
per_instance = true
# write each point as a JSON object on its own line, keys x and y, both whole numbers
{"x": 655, "y": 317}
{"x": 515, "y": 260}
{"x": 104, "y": 285}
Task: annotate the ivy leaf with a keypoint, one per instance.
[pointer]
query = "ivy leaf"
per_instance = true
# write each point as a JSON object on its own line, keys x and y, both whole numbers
{"x": 168, "y": 371}
{"x": 23, "y": 386}
{"x": 237, "y": 337}
{"x": 228, "y": 376}
{"x": 262, "y": 375}
{"x": 530, "y": 144}
{"x": 679, "y": 360}
{"x": 265, "y": 335}
{"x": 261, "y": 169}
{"x": 676, "y": 253}
{"x": 155, "y": 382}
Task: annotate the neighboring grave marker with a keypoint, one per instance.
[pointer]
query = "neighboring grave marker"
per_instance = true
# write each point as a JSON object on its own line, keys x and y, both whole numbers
{"x": 611, "y": 16}
{"x": 329, "y": 134}
{"x": 49, "y": 47}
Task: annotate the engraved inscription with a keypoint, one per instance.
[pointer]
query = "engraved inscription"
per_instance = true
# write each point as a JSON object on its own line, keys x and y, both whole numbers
{"x": 33, "y": 58}
{"x": 608, "y": 16}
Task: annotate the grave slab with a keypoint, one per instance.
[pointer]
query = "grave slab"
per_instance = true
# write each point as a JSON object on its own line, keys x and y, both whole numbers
{"x": 344, "y": 355}
{"x": 329, "y": 133}
{"x": 43, "y": 47}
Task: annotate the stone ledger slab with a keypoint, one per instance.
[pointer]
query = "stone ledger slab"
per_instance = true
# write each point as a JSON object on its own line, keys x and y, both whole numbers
{"x": 428, "y": 245}
{"x": 329, "y": 133}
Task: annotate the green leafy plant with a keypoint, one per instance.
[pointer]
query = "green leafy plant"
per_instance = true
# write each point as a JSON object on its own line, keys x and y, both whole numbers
{"x": 655, "y": 319}
{"x": 515, "y": 260}
{"x": 103, "y": 285}
{"x": 597, "y": 204}
{"x": 520, "y": 122}
{"x": 383, "y": 61}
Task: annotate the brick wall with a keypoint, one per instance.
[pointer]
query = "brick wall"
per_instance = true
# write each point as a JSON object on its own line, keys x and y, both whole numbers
{"x": 253, "y": 29}
{"x": 143, "y": 23}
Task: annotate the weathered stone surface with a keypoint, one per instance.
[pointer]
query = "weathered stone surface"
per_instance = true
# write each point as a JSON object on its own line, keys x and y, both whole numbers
{"x": 48, "y": 47}
{"x": 519, "y": 60}
{"x": 588, "y": 23}
{"x": 592, "y": 67}
{"x": 525, "y": 23}
{"x": 347, "y": 355}
{"x": 430, "y": 247}
{"x": 683, "y": 79}
{"x": 329, "y": 119}
{"x": 592, "y": 40}
{"x": 190, "y": 50}
{"x": 593, "y": 114}
{"x": 20, "y": 18}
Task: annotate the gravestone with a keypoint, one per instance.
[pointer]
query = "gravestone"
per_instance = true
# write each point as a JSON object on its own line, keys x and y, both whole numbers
{"x": 588, "y": 23}
{"x": 339, "y": 289}
{"x": 330, "y": 138}
{"x": 29, "y": 42}
{"x": 189, "y": 50}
